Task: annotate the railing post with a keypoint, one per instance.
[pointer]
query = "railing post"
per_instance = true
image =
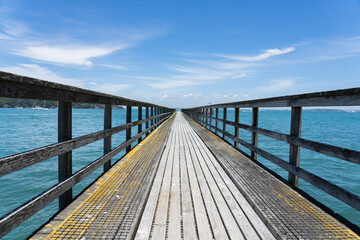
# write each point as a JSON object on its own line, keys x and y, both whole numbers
{"x": 152, "y": 120}
{"x": 128, "y": 131}
{"x": 236, "y": 132}
{"x": 254, "y": 135}
{"x": 65, "y": 160}
{"x": 107, "y": 140}
{"x": 210, "y": 120}
{"x": 140, "y": 125}
{"x": 216, "y": 121}
{"x": 294, "y": 154}
{"x": 206, "y": 118}
{"x": 147, "y": 122}
{"x": 224, "y": 125}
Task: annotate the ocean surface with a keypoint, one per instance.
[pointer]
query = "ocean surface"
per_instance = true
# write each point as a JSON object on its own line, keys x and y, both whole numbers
{"x": 26, "y": 129}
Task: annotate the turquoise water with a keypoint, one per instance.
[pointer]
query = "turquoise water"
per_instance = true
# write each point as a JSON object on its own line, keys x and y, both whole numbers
{"x": 25, "y": 129}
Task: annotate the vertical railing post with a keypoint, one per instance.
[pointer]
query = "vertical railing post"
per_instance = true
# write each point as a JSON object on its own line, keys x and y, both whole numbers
{"x": 152, "y": 120}
{"x": 107, "y": 140}
{"x": 236, "y": 132}
{"x": 254, "y": 135}
{"x": 206, "y": 118}
{"x": 128, "y": 131}
{"x": 216, "y": 121}
{"x": 65, "y": 160}
{"x": 210, "y": 120}
{"x": 147, "y": 116}
{"x": 140, "y": 125}
{"x": 224, "y": 124}
{"x": 294, "y": 154}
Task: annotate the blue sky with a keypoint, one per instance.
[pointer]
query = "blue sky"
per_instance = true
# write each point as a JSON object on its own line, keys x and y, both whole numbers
{"x": 185, "y": 53}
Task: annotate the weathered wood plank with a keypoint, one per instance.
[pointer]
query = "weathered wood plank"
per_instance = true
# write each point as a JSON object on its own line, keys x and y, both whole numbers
{"x": 211, "y": 209}
{"x": 189, "y": 229}
{"x": 227, "y": 216}
{"x": 202, "y": 222}
{"x": 144, "y": 229}
{"x": 174, "y": 228}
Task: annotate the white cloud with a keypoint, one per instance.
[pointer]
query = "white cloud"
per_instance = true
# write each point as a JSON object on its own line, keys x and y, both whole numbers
{"x": 165, "y": 96}
{"x": 35, "y": 71}
{"x": 109, "y": 88}
{"x": 164, "y": 84}
{"x": 119, "y": 67}
{"x": 277, "y": 85}
{"x": 77, "y": 55}
{"x": 266, "y": 54}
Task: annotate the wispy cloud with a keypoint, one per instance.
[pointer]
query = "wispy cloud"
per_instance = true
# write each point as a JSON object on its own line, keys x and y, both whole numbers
{"x": 266, "y": 54}
{"x": 66, "y": 49}
{"x": 278, "y": 85}
{"x": 109, "y": 87}
{"x": 76, "y": 55}
{"x": 35, "y": 71}
{"x": 113, "y": 66}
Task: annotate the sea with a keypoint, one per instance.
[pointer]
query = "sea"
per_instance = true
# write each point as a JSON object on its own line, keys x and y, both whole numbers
{"x": 25, "y": 129}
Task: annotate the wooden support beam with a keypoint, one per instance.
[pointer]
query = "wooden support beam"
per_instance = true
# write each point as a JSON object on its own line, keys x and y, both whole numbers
{"x": 107, "y": 140}
{"x": 236, "y": 132}
{"x": 140, "y": 125}
{"x": 65, "y": 160}
{"x": 152, "y": 120}
{"x": 294, "y": 154}
{"x": 128, "y": 131}
{"x": 216, "y": 122}
{"x": 254, "y": 135}
{"x": 224, "y": 124}
{"x": 147, "y": 116}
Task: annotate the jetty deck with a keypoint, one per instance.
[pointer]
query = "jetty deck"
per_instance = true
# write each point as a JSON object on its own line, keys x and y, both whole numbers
{"x": 184, "y": 182}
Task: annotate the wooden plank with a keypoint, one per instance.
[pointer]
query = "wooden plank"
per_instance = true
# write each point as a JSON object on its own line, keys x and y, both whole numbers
{"x": 147, "y": 116}
{"x": 189, "y": 228}
{"x": 212, "y": 211}
{"x": 174, "y": 227}
{"x": 254, "y": 135}
{"x": 65, "y": 160}
{"x": 248, "y": 220}
{"x": 216, "y": 121}
{"x": 161, "y": 214}
{"x": 228, "y": 219}
{"x": 144, "y": 229}
{"x": 107, "y": 140}
{"x": 202, "y": 222}
{"x": 294, "y": 155}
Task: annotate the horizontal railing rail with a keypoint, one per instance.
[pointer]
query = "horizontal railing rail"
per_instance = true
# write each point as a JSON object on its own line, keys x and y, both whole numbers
{"x": 15, "y": 86}
{"x": 346, "y": 97}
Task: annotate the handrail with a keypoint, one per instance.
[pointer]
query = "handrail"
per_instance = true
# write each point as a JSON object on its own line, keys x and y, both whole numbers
{"x": 345, "y": 97}
{"x": 15, "y": 86}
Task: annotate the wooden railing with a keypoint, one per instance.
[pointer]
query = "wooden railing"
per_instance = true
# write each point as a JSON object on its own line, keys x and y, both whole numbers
{"x": 14, "y": 86}
{"x": 348, "y": 97}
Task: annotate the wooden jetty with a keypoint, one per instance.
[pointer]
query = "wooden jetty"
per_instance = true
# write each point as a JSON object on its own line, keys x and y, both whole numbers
{"x": 182, "y": 180}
